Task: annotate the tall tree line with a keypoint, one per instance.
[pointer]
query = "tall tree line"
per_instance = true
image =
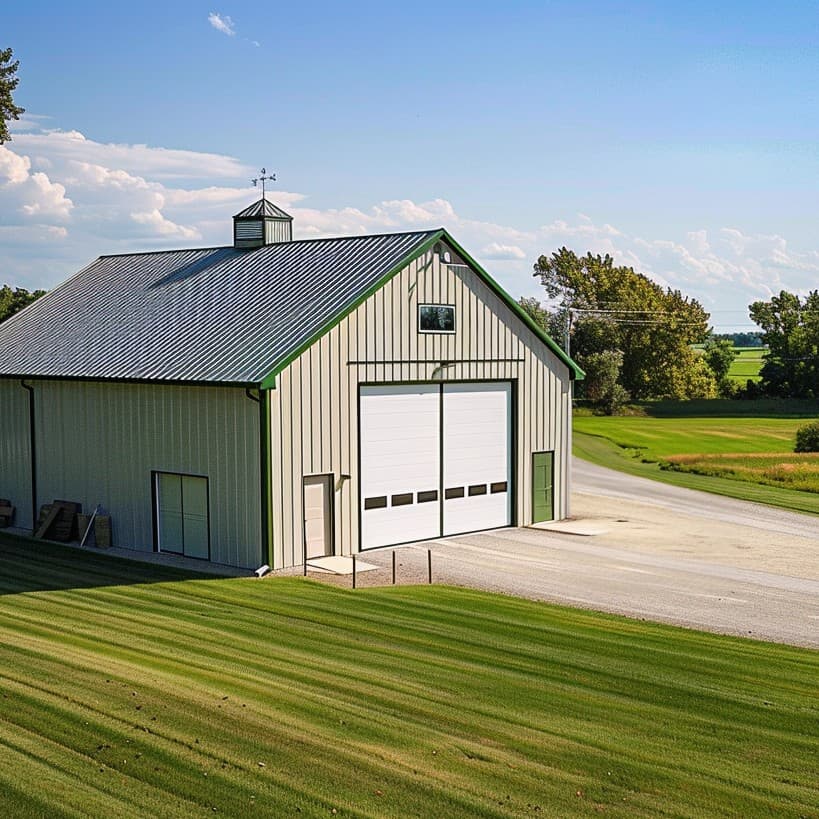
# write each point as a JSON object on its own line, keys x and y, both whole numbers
{"x": 632, "y": 336}
{"x": 790, "y": 330}
{"x": 12, "y": 301}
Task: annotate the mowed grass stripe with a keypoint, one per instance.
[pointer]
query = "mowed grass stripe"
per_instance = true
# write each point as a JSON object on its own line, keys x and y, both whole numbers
{"x": 422, "y": 701}
{"x": 157, "y": 641}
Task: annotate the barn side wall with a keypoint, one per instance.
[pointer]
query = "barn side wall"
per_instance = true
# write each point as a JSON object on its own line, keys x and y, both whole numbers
{"x": 98, "y": 443}
{"x": 314, "y": 408}
{"x": 15, "y": 459}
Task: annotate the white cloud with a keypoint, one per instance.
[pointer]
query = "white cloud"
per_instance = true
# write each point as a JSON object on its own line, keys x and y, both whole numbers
{"x": 499, "y": 252}
{"x": 65, "y": 198}
{"x": 143, "y": 160}
{"x": 222, "y": 23}
{"x": 33, "y": 194}
{"x": 161, "y": 226}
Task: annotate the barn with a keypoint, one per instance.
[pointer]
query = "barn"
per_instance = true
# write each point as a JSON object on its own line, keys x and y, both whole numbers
{"x": 248, "y": 403}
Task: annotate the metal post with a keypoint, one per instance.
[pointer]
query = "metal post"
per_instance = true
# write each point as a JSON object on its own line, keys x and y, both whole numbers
{"x": 429, "y": 564}
{"x": 393, "y": 568}
{"x": 353, "y": 571}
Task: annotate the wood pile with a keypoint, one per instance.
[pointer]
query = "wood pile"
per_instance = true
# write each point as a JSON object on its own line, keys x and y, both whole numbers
{"x": 58, "y": 521}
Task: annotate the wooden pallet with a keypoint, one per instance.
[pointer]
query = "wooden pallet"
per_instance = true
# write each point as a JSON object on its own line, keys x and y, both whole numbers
{"x": 58, "y": 521}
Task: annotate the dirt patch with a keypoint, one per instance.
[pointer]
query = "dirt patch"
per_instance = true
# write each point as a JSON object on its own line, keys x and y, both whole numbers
{"x": 642, "y": 527}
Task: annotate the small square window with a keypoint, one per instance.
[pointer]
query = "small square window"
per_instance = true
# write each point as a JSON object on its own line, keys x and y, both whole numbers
{"x": 436, "y": 318}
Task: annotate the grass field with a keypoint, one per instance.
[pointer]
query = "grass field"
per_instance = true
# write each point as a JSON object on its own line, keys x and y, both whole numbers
{"x": 693, "y": 444}
{"x": 747, "y": 364}
{"x": 131, "y": 690}
{"x": 789, "y": 470}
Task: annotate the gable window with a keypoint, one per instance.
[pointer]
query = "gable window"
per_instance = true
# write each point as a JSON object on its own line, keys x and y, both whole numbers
{"x": 436, "y": 318}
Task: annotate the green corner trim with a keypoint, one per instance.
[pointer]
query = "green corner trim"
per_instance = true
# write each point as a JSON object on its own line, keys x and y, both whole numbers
{"x": 266, "y": 475}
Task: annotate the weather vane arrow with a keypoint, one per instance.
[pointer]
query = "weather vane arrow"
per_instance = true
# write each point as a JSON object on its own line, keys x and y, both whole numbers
{"x": 263, "y": 177}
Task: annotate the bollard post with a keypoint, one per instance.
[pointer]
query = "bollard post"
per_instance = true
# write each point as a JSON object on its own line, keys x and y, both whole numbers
{"x": 353, "y": 571}
{"x": 429, "y": 565}
{"x": 393, "y": 568}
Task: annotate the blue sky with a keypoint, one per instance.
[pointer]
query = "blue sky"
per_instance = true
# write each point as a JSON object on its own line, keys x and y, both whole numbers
{"x": 682, "y": 138}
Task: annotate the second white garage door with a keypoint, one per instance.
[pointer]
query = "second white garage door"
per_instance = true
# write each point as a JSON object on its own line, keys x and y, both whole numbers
{"x": 435, "y": 460}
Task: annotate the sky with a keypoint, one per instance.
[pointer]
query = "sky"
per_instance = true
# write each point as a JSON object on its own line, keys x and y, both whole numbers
{"x": 683, "y": 139}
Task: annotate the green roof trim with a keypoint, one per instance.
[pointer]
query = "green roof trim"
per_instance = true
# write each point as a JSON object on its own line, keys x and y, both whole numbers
{"x": 269, "y": 381}
{"x": 575, "y": 373}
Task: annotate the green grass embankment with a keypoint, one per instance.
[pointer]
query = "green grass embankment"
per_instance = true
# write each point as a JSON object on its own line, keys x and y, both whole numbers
{"x": 748, "y": 455}
{"x": 131, "y": 690}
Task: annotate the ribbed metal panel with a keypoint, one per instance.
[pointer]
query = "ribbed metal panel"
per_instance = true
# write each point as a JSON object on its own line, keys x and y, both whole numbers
{"x": 262, "y": 208}
{"x": 15, "y": 471}
{"x": 314, "y": 409}
{"x": 250, "y": 230}
{"x": 276, "y": 230}
{"x": 99, "y": 443}
{"x": 218, "y": 315}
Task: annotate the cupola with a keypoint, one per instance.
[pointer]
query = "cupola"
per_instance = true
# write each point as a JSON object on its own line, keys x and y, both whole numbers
{"x": 261, "y": 224}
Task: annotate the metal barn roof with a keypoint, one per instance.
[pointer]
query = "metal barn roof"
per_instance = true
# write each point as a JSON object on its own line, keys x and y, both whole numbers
{"x": 262, "y": 208}
{"x": 218, "y": 315}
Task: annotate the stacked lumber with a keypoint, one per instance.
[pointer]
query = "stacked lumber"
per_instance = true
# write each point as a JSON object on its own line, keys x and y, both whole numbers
{"x": 58, "y": 521}
{"x": 6, "y": 513}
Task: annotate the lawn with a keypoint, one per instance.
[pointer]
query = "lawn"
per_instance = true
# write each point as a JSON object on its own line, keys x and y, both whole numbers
{"x": 747, "y": 364}
{"x": 697, "y": 445}
{"x": 131, "y": 690}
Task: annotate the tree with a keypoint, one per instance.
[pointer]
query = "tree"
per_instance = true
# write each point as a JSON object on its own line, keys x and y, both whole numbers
{"x": 11, "y": 301}
{"x": 790, "y": 330}
{"x": 552, "y": 323}
{"x": 616, "y": 308}
{"x": 719, "y": 355}
{"x": 747, "y": 339}
{"x": 8, "y": 82}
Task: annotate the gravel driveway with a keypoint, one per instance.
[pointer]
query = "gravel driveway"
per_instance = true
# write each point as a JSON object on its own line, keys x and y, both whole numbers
{"x": 667, "y": 554}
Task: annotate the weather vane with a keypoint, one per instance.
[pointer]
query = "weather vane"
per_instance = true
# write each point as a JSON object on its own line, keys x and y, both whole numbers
{"x": 263, "y": 177}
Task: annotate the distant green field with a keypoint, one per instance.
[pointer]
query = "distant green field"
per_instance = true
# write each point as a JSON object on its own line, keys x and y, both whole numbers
{"x": 746, "y": 456}
{"x": 131, "y": 690}
{"x": 747, "y": 364}
{"x": 658, "y": 438}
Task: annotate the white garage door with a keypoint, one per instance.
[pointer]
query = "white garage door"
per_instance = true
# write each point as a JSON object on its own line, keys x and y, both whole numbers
{"x": 477, "y": 457}
{"x": 400, "y": 453}
{"x": 415, "y": 488}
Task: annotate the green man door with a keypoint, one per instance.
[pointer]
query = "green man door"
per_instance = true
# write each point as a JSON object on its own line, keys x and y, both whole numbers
{"x": 543, "y": 499}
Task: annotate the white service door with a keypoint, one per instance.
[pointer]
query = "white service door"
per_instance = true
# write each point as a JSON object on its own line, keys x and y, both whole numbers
{"x": 317, "y": 516}
{"x": 400, "y": 464}
{"x": 477, "y": 456}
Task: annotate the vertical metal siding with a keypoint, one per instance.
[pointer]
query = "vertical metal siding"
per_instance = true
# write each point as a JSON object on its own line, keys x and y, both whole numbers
{"x": 15, "y": 466}
{"x": 99, "y": 442}
{"x": 314, "y": 420}
{"x": 277, "y": 231}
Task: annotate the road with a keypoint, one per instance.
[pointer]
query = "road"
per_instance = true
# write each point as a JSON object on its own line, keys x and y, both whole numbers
{"x": 667, "y": 554}
{"x": 590, "y": 479}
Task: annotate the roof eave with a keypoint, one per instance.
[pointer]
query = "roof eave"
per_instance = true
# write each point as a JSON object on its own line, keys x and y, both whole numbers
{"x": 575, "y": 373}
{"x": 268, "y": 381}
